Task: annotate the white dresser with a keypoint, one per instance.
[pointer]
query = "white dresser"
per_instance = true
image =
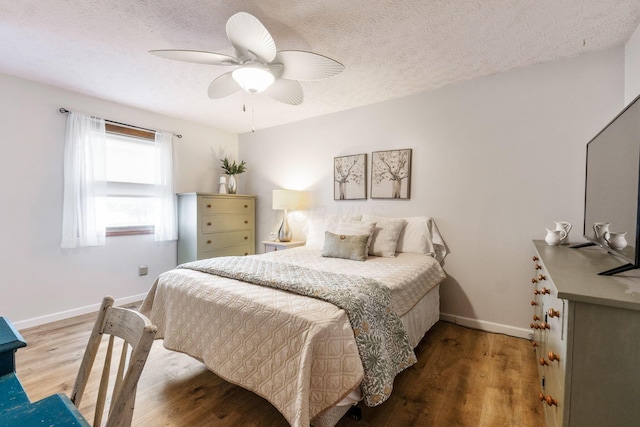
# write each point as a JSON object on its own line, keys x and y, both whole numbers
{"x": 213, "y": 225}
{"x": 586, "y": 332}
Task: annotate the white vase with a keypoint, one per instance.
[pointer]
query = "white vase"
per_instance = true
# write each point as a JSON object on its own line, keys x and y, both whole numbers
{"x": 232, "y": 185}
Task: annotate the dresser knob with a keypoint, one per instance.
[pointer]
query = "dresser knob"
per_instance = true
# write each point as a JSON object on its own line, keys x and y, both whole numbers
{"x": 208, "y": 206}
{"x": 538, "y": 267}
{"x": 548, "y": 400}
{"x": 208, "y": 224}
{"x": 553, "y": 356}
{"x": 536, "y": 318}
{"x": 534, "y": 280}
{"x": 535, "y": 258}
{"x": 553, "y": 313}
{"x": 542, "y": 277}
{"x": 534, "y": 303}
{"x": 246, "y": 253}
{"x": 246, "y": 222}
{"x": 542, "y": 362}
{"x": 208, "y": 242}
{"x": 246, "y": 206}
{"x": 246, "y": 238}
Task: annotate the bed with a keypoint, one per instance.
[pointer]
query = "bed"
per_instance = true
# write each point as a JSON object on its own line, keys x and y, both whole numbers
{"x": 302, "y": 353}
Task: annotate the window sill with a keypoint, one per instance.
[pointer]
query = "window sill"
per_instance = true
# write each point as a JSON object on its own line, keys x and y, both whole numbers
{"x": 134, "y": 230}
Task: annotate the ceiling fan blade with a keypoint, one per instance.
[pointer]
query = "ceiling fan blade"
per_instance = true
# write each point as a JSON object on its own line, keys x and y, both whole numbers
{"x": 287, "y": 91}
{"x": 223, "y": 86}
{"x": 307, "y": 66}
{"x": 247, "y": 35}
{"x": 197, "y": 56}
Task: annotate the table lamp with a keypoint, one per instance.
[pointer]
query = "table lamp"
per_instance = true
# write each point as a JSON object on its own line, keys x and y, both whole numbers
{"x": 288, "y": 200}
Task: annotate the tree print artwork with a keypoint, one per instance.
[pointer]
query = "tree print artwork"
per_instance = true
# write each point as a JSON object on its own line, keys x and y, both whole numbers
{"x": 350, "y": 177}
{"x": 390, "y": 174}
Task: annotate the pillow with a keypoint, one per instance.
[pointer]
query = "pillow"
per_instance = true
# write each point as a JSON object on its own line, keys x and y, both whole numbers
{"x": 352, "y": 247}
{"x": 351, "y": 228}
{"x": 415, "y": 237}
{"x": 385, "y": 237}
{"x": 317, "y": 226}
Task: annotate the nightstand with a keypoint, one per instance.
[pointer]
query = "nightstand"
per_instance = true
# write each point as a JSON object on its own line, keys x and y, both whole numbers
{"x": 280, "y": 246}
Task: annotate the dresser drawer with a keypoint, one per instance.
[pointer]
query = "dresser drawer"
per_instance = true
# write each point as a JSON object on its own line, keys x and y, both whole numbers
{"x": 216, "y": 241}
{"x": 218, "y": 223}
{"x": 211, "y": 205}
{"x": 232, "y": 251}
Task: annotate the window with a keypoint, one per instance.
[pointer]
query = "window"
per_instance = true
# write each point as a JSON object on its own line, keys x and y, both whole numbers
{"x": 130, "y": 204}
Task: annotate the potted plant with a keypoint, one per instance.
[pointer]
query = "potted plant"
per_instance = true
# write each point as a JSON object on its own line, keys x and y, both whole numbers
{"x": 232, "y": 169}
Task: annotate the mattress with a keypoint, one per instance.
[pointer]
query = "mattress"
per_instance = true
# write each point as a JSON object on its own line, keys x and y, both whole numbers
{"x": 297, "y": 352}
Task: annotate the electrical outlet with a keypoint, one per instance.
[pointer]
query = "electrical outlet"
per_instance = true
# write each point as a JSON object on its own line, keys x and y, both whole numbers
{"x": 143, "y": 270}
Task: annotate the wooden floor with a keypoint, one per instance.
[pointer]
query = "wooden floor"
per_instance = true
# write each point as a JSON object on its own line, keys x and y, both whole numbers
{"x": 464, "y": 377}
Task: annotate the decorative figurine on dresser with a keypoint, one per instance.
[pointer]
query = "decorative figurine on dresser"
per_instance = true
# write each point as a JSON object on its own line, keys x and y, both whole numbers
{"x": 214, "y": 225}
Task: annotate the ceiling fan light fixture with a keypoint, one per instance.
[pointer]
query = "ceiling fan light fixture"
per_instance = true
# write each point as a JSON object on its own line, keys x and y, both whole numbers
{"x": 253, "y": 78}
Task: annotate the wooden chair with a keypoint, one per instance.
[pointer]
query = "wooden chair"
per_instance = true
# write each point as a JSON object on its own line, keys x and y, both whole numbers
{"x": 138, "y": 333}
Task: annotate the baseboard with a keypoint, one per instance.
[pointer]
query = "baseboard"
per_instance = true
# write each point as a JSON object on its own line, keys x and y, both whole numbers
{"x": 37, "y": 321}
{"x": 486, "y": 326}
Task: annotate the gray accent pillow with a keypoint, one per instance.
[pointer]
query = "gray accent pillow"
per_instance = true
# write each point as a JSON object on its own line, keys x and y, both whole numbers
{"x": 352, "y": 247}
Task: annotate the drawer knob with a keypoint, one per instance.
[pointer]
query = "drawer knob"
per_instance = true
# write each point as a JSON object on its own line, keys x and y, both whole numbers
{"x": 246, "y": 206}
{"x": 542, "y": 277}
{"x": 246, "y": 253}
{"x": 535, "y": 258}
{"x": 553, "y": 357}
{"x": 208, "y": 206}
{"x": 209, "y": 224}
{"x": 246, "y": 238}
{"x": 246, "y": 222}
{"x": 534, "y": 280}
{"x": 553, "y": 313}
{"x": 538, "y": 267}
{"x": 536, "y": 318}
{"x": 548, "y": 400}
{"x": 208, "y": 242}
{"x": 534, "y": 303}
{"x": 544, "y": 291}
{"x": 542, "y": 362}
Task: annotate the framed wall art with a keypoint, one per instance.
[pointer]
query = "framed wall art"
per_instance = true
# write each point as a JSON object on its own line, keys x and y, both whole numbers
{"x": 350, "y": 177}
{"x": 391, "y": 174}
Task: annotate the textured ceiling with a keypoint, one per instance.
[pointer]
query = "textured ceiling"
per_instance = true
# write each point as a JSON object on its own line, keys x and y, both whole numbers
{"x": 389, "y": 48}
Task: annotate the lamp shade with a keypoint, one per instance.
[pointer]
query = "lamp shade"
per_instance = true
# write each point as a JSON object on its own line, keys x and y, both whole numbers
{"x": 253, "y": 78}
{"x": 290, "y": 200}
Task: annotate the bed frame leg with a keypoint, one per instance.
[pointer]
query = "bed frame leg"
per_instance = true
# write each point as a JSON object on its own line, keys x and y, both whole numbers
{"x": 355, "y": 413}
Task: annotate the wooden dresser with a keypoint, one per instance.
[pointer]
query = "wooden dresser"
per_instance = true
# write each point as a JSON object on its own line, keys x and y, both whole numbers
{"x": 586, "y": 331}
{"x": 213, "y": 225}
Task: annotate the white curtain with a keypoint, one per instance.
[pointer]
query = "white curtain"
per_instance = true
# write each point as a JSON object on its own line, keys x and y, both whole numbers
{"x": 165, "y": 219}
{"x": 83, "y": 222}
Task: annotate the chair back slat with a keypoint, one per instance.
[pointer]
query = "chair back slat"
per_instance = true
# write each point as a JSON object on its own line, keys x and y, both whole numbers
{"x": 137, "y": 334}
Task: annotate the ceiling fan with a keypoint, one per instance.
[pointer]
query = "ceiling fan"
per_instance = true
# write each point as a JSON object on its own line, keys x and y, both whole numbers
{"x": 259, "y": 67}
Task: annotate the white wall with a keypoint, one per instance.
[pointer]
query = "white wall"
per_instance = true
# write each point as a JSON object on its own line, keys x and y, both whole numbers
{"x": 39, "y": 282}
{"x": 632, "y": 67}
{"x": 495, "y": 161}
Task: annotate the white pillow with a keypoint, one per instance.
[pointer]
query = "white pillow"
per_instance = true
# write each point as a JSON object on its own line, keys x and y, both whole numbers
{"x": 415, "y": 236}
{"x": 385, "y": 236}
{"x": 317, "y": 226}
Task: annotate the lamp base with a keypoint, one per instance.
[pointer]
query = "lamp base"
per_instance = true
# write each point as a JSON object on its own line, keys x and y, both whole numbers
{"x": 285, "y": 234}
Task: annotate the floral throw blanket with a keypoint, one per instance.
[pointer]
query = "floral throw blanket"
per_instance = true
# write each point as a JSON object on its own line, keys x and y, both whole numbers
{"x": 379, "y": 334}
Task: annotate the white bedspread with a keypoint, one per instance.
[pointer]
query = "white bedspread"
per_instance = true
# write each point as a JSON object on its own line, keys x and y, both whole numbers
{"x": 297, "y": 352}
